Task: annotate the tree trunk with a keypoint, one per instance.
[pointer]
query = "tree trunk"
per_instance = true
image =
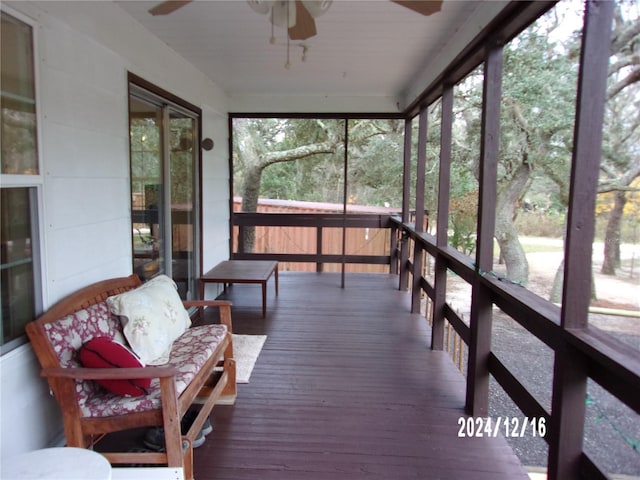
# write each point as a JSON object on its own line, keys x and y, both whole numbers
{"x": 250, "y": 195}
{"x": 612, "y": 235}
{"x": 255, "y": 162}
{"x": 558, "y": 284}
{"x": 506, "y": 233}
{"x": 514, "y": 256}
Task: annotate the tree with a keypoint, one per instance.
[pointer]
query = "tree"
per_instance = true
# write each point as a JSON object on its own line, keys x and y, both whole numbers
{"x": 304, "y": 159}
{"x": 256, "y": 141}
{"x": 536, "y": 126}
{"x": 620, "y": 130}
{"x": 465, "y": 158}
{"x": 375, "y": 164}
{"x": 537, "y": 123}
{"x": 621, "y": 156}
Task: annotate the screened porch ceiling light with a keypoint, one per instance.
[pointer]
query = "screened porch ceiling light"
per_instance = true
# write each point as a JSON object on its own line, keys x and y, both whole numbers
{"x": 297, "y": 16}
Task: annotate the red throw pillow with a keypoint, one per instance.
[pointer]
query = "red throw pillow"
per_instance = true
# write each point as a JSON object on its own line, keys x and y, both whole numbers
{"x": 104, "y": 352}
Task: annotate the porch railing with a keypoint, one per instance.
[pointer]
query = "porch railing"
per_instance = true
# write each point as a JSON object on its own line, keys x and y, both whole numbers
{"x": 319, "y": 222}
{"x": 612, "y": 364}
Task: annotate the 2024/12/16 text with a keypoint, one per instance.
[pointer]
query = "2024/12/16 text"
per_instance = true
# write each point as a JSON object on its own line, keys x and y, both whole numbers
{"x": 509, "y": 427}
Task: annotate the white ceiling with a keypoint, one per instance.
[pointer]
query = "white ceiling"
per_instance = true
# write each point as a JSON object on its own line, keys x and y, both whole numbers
{"x": 363, "y": 48}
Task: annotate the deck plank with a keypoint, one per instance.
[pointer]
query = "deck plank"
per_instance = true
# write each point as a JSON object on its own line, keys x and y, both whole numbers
{"x": 345, "y": 388}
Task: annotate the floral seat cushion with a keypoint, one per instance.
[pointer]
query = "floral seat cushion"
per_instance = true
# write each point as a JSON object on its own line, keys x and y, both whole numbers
{"x": 69, "y": 333}
{"x": 188, "y": 355}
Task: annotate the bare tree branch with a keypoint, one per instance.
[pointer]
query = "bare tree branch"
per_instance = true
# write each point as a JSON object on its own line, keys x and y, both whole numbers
{"x": 625, "y": 37}
{"x": 297, "y": 153}
{"x": 630, "y": 79}
{"x": 626, "y": 61}
{"x": 622, "y": 183}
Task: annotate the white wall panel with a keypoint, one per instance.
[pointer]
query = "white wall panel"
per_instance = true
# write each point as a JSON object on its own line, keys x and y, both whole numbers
{"x": 84, "y": 51}
{"x": 73, "y": 153}
{"x": 74, "y": 250}
{"x": 113, "y": 266}
{"x": 30, "y": 417}
{"x": 82, "y": 202}
{"x": 73, "y": 101}
{"x": 215, "y": 190}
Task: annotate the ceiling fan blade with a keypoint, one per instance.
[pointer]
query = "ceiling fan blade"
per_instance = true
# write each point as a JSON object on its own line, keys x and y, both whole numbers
{"x": 305, "y": 26}
{"x": 165, "y": 8}
{"x": 424, "y": 7}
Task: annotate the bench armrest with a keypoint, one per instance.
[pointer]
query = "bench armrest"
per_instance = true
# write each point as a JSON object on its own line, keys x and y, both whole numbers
{"x": 206, "y": 303}
{"x": 224, "y": 305}
{"x": 109, "y": 373}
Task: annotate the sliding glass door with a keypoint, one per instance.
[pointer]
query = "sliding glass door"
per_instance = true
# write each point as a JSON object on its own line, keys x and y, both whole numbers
{"x": 164, "y": 189}
{"x": 182, "y": 222}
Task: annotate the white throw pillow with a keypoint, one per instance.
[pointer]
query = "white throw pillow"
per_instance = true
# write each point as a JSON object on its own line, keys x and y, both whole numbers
{"x": 152, "y": 317}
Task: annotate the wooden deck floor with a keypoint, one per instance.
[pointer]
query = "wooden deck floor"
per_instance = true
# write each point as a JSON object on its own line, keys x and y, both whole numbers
{"x": 345, "y": 388}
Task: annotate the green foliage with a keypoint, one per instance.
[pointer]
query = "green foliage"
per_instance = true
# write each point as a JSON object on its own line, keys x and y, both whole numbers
{"x": 539, "y": 93}
{"x": 540, "y": 224}
{"x": 374, "y": 161}
{"x": 146, "y": 161}
{"x": 462, "y": 220}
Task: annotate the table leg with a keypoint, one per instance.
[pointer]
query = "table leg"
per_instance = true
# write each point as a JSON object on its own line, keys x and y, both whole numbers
{"x": 264, "y": 299}
{"x": 276, "y": 279}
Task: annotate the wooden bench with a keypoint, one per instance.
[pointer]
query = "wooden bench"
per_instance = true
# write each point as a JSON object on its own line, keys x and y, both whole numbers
{"x": 78, "y": 317}
{"x": 243, "y": 271}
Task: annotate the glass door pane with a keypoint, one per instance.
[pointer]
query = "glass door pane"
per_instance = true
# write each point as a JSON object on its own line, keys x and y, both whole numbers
{"x": 147, "y": 188}
{"x": 182, "y": 160}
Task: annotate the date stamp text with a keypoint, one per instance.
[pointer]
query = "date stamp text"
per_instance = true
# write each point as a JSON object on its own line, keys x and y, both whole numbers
{"x": 509, "y": 427}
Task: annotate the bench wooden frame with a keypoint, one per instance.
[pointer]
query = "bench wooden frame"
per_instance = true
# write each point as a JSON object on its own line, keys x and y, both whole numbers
{"x": 209, "y": 384}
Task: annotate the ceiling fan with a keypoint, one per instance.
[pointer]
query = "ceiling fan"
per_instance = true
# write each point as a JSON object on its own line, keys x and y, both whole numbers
{"x": 298, "y": 15}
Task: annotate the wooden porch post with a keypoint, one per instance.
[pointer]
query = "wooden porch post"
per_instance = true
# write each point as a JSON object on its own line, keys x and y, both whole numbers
{"x": 419, "y": 220}
{"x": 481, "y": 304}
{"x": 444, "y": 188}
{"x": 393, "y": 250}
{"x": 406, "y": 185}
{"x": 570, "y": 370}
{"x": 319, "y": 265}
{"x": 345, "y": 199}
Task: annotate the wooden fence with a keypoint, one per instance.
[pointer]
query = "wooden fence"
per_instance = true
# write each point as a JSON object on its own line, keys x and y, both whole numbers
{"x": 312, "y": 240}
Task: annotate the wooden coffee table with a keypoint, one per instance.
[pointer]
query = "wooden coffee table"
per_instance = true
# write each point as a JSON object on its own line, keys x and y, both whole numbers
{"x": 244, "y": 271}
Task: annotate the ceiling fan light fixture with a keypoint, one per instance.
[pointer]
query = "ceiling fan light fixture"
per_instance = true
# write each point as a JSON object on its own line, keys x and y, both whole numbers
{"x": 317, "y": 7}
{"x": 283, "y": 14}
{"x": 296, "y": 16}
{"x": 261, "y": 6}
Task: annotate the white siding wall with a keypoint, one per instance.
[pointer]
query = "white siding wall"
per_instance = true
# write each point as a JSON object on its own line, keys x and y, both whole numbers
{"x": 215, "y": 190}
{"x": 84, "y": 50}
